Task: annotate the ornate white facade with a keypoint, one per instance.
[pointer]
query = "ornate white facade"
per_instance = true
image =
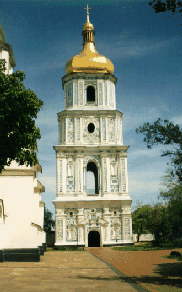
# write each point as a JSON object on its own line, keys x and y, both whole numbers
{"x": 90, "y": 139}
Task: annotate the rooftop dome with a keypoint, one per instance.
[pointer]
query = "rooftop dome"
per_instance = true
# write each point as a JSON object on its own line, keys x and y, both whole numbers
{"x": 2, "y": 37}
{"x": 89, "y": 60}
{"x": 5, "y": 46}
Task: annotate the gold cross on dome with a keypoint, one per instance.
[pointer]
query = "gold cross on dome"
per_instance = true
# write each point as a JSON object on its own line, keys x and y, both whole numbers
{"x": 87, "y": 9}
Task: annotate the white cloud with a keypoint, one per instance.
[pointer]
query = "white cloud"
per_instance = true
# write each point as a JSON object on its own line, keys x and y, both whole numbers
{"x": 177, "y": 120}
{"x": 132, "y": 120}
{"x": 134, "y": 48}
{"x": 143, "y": 186}
{"x": 154, "y": 152}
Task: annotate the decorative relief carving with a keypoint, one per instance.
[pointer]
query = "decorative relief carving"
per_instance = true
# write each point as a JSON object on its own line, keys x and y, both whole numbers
{"x": 104, "y": 129}
{"x": 123, "y": 176}
{"x": 69, "y": 95}
{"x": 71, "y": 224}
{"x": 75, "y": 94}
{"x": 67, "y": 211}
{"x": 111, "y": 129}
{"x": 79, "y": 175}
{"x": 127, "y": 228}
{"x": 105, "y": 93}
{"x": 60, "y": 131}
{"x": 114, "y": 175}
{"x": 59, "y": 211}
{"x": 121, "y": 130}
{"x": 64, "y": 135}
{"x": 118, "y": 130}
{"x": 115, "y": 211}
{"x": 100, "y": 93}
{"x": 80, "y": 92}
{"x": 126, "y": 209}
{"x": 78, "y": 128}
{"x": 94, "y": 158}
{"x": 70, "y": 135}
{"x": 70, "y": 176}
{"x": 116, "y": 229}
{"x": 94, "y": 136}
{"x": 89, "y": 82}
{"x": 111, "y": 95}
{"x": 93, "y": 215}
{"x": 59, "y": 229}
{"x": 105, "y": 175}
{"x": 61, "y": 179}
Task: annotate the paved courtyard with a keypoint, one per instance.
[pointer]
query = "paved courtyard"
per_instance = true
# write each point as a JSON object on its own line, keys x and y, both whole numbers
{"x": 62, "y": 271}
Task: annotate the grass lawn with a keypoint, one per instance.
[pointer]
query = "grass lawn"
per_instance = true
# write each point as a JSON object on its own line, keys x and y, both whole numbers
{"x": 145, "y": 247}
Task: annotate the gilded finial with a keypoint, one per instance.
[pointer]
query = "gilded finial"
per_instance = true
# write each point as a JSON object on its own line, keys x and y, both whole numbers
{"x": 87, "y": 13}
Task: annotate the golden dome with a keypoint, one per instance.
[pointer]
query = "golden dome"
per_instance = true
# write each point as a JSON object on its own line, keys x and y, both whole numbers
{"x": 89, "y": 60}
{"x": 88, "y": 26}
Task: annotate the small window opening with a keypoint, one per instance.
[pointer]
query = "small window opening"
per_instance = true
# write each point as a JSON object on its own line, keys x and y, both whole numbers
{"x": 114, "y": 212}
{"x": 91, "y": 128}
{"x": 71, "y": 214}
{"x": 90, "y": 93}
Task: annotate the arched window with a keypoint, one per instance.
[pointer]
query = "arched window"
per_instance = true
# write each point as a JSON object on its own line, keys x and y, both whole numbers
{"x": 90, "y": 93}
{"x": 92, "y": 179}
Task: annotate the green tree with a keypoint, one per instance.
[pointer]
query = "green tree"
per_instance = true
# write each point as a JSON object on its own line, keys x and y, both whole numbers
{"x": 49, "y": 222}
{"x": 158, "y": 223}
{"x": 168, "y": 5}
{"x": 140, "y": 219}
{"x": 18, "y": 111}
{"x": 166, "y": 133}
{"x": 174, "y": 210}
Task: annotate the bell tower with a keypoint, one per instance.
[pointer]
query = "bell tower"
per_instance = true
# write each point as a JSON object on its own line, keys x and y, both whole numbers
{"x": 90, "y": 140}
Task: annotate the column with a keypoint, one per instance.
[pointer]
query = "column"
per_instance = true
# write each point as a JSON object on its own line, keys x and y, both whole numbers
{"x": 79, "y": 173}
{"x": 80, "y": 217}
{"x": 108, "y": 175}
{"x": 84, "y": 177}
{"x": 106, "y": 216}
{"x": 64, "y": 174}
{"x": 103, "y": 174}
{"x": 119, "y": 173}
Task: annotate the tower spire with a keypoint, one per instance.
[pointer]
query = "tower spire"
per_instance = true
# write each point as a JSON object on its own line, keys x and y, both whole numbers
{"x": 87, "y": 13}
{"x": 88, "y": 30}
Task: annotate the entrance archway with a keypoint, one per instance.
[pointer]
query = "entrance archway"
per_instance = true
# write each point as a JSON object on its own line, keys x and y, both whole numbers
{"x": 93, "y": 239}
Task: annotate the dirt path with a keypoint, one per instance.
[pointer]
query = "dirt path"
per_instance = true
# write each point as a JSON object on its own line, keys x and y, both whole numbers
{"x": 147, "y": 268}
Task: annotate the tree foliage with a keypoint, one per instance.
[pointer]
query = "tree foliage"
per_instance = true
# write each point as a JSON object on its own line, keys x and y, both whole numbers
{"x": 165, "y": 133}
{"x": 163, "y": 221}
{"x": 18, "y": 111}
{"x": 168, "y": 5}
{"x": 49, "y": 222}
{"x": 174, "y": 210}
{"x": 140, "y": 219}
{"x": 158, "y": 223}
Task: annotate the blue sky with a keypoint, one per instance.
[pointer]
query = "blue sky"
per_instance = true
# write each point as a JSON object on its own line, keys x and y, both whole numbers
{"x": 145, "y": 49}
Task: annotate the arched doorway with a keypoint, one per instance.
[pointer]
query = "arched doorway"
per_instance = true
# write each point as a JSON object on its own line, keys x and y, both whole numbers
{"x": 93, "y": 239}
{"x": 91, "y": 167}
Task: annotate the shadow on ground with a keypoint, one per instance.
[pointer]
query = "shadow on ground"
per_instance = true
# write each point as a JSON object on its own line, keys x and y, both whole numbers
{"x": 156, "y": 280}
{"x": 169, "y": 270}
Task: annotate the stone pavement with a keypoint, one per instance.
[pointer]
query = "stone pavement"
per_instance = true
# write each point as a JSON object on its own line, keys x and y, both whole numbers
{"x": 62, "y": 271}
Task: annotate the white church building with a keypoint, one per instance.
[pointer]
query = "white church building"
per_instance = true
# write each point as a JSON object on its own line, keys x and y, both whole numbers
{"x": 22, "y": 237}
{"x": 90, "y": 140}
